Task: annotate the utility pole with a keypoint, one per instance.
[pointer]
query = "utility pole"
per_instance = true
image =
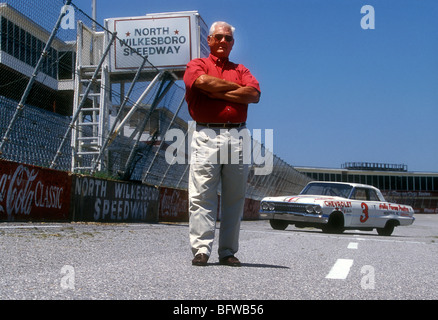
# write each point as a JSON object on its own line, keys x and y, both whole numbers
{"x": 94, "y": 13}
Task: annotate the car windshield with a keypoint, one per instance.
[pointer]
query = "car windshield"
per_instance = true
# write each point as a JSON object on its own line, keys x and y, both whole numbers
{"x": 327, "y": 189}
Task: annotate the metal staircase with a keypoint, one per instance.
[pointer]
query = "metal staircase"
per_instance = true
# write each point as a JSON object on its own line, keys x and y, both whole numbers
{"x": 91, "y": 99}
{"x": 87, "y": 132}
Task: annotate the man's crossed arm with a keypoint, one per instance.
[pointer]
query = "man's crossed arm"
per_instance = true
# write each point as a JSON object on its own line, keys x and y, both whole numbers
{"x": 217, "y": 88}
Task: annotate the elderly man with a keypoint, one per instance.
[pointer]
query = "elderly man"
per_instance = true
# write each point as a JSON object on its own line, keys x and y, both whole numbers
{"x": 218, "y": 93}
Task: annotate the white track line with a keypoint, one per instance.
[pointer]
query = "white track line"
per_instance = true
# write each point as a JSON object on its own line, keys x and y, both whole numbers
{"x": 340, "y": 270}
{"x": 352, "y": 245}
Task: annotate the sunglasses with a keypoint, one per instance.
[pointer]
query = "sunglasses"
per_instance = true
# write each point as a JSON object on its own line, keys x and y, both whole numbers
{"x": 219, "y": 37}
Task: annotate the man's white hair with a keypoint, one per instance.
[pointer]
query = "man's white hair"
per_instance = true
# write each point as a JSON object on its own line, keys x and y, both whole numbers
{"x": 221, "y": 23}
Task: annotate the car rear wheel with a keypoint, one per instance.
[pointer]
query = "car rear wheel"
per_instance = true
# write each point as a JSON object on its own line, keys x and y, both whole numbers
{"x": 278, "y": 224}
{"x": 387, "y": 230}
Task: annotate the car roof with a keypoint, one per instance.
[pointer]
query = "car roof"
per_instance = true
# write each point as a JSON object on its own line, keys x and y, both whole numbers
{"x": 361, "y": 185}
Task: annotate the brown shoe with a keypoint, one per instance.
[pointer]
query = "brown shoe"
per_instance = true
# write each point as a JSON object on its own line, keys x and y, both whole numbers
{"x": 200, "y": 260}
{"x": 231, "y": 261}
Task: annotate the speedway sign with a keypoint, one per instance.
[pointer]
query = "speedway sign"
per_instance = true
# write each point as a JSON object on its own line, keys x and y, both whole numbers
{"x": 168, "y": 40}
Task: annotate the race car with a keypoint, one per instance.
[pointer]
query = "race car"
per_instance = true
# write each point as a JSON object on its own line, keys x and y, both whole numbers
{"x": 335, "y": 207}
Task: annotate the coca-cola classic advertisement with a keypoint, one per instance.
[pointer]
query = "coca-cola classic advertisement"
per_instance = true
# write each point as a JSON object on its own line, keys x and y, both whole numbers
{"x": 173, "y": 205}
{"x": 29, "y": 193}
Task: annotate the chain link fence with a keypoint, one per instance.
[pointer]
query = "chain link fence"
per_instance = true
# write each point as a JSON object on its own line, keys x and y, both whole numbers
{"x": 61, "y": 107}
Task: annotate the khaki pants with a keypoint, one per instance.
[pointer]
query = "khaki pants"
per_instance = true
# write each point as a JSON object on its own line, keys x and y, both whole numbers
{"x": 219, "y": 158}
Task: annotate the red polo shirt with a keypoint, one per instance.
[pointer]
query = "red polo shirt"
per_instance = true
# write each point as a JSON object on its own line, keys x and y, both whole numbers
{"x": 207, "y": 110}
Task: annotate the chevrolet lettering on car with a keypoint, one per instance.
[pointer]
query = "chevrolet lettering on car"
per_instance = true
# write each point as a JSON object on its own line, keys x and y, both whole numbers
{"x": 335, "y": 207}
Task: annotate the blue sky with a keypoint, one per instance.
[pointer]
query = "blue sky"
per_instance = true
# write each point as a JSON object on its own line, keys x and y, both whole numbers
{"x": 332, "y": 91}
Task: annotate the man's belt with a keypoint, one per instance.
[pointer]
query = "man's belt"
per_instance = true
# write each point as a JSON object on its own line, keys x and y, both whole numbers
{"x": 222, "y": 125}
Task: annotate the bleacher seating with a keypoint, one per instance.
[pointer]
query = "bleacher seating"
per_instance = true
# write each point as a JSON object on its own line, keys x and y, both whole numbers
{"x": 35, "y": 136}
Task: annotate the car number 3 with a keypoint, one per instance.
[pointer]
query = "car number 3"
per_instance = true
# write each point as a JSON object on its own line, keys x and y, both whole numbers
{"x": 364, "y": 216}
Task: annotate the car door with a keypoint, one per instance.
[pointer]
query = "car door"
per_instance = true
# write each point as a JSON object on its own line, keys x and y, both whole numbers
{"x": 366, "y": 207}
{"x": 375, "y": 211}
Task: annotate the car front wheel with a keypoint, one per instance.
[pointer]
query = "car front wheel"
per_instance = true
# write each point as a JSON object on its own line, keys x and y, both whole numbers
{"x": 387, "y": 230}
{"x": 278, "y": 224}
{"x": 335, "y": 224}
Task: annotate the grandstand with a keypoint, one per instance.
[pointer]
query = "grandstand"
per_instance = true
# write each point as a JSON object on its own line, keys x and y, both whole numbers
{"x": 35, "y": 135}
{"x": 417, "y": 189}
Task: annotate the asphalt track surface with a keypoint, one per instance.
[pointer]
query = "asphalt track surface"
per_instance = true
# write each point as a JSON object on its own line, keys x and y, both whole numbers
{"x": 95, "y": 261}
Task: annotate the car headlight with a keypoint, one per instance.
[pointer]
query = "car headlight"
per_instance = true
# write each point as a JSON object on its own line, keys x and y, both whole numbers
{"x": 267, "y": 206}
{"x": 264, "y": 206}
{"x": 318, "y": 209}
{"x": 309, "y": 209}
{"x": 314, "y": 209}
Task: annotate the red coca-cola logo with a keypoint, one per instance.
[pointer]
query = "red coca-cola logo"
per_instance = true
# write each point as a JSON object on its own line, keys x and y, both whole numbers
{"x": 20, "y": 192}
{"x": 173, "y": 203}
